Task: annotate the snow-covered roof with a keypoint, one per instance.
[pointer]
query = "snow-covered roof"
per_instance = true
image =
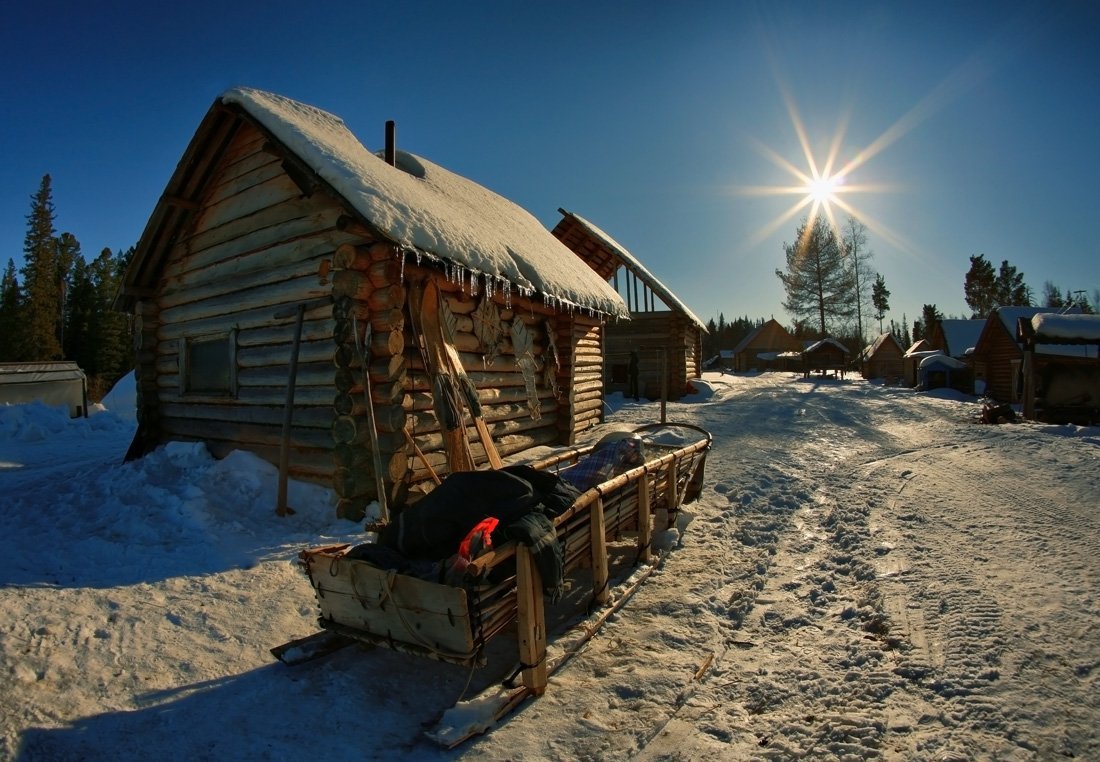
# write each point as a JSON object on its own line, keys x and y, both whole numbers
{"x": 639, "y": 269}
{"x": 874, "y": 346}
{"x": 751, "y": 336}
{"x": 425, "y": 208}
{"x": 961, "y": 335}
{"x": 939, "y": 359}
{"x": 1054, "y": 328}
{"x": 824, "y": 342}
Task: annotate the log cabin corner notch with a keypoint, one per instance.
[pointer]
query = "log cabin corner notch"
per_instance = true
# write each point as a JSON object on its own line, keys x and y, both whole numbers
{"x": 667, "y": 335}
{"x": 281, "y": 243}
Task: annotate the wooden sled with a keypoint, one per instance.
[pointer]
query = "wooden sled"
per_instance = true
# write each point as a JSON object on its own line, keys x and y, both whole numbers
{"x": 363, "y": 603}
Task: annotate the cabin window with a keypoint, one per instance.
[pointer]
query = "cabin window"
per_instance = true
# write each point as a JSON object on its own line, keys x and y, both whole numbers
{"x": 208, "y": 365}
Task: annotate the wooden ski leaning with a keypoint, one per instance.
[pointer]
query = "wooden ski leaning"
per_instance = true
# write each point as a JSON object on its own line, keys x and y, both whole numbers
{"x": 440, "y": 345}
{"x": 445, "y": 395}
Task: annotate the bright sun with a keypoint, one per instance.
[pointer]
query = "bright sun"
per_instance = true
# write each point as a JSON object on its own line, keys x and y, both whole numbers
{"x": 823, "y": 190}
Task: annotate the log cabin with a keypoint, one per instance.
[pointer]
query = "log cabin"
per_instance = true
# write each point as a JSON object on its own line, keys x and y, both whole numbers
{"x": 330, "y": 309}
{"x": 882, "y": 358}
{"x": 761, "y": 349}
{"x": 666, "y": 334}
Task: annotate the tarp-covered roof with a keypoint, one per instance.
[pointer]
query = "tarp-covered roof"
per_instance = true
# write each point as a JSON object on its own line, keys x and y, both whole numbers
{"x": 39, "y": 372}
{"x": 630, "y": 262}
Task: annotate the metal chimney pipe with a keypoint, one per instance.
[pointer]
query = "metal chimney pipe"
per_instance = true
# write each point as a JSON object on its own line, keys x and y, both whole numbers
{"x": 391, "y": 143}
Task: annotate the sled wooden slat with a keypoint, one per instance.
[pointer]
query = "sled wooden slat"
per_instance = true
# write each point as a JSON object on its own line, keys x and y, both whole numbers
{"x": 392, "y": 606}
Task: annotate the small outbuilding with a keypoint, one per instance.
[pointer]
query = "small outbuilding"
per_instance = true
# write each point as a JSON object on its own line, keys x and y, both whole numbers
{"x": 998, "y": 355}
{"x": 665, "y": 334}
{"x": 825, "y": 356}
{"x": 882, "y": 358}
{"x": 938, "y": 371}
{"x": 366, "y": 320}
{"x": 51, "y": 383}
{"x": 1061, "y": 387}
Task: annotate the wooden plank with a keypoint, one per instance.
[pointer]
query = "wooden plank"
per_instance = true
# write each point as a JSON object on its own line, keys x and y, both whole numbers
{"x": 645, "y": 519}
{"x": 531, "y": 622}
{"x": 600, "y": 574}
{"x": 355, "y": 594}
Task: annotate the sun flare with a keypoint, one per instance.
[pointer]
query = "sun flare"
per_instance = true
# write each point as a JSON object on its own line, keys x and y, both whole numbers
{"x": 824, "y": 185}
{"x": 823, "y": 190}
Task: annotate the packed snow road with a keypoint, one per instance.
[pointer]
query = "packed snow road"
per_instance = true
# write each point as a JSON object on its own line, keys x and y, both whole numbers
{"x": 871, "y": 573}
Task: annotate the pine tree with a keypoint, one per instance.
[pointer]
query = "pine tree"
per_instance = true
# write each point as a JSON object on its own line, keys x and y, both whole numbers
{"x": 10, "y": 305}
{"x": 880, "y": 298}
{"x": 80, "y": 318}
{"x": 41, "y": 314}
{"x": 816, "y": 279}
{"x": 1009, "y": 289}
{"x": 930, "y": 316}
{"x": 980, "y": 287}
{"x": 111, "y": 329}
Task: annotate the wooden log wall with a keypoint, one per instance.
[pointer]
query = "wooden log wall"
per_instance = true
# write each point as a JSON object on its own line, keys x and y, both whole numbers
{"x": 370, "y": 284}
{"x": 255, "y": 248}
{"x": 583, "y": 377}
{"x": 664, "y": 340}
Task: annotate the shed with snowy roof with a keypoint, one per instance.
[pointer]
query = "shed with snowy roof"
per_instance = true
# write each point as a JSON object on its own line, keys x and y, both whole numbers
{"x": 998, "y": 355}
{"x": 666, "y": 334}
{"x": 825, "y": 356}
{"x": 286, "y": 271}
{"x": 1063, "y": 386}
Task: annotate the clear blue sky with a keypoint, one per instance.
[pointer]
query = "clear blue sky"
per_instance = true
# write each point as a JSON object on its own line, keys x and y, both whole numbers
{"x": 979, "y": 122}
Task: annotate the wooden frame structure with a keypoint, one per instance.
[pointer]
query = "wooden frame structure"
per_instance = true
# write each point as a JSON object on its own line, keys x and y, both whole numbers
{"x": 667, "y": 336}
{"x": 364, "y": 603}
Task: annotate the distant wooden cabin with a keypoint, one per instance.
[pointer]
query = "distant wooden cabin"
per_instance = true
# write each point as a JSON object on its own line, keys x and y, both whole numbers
{"x": 281, "y": 243}
{"x": 761, "y": 349}
{"x": 59, "y": 383}
{"x": 882, "y": 358}
{"x": 825, "y": 356}
{"x": 999, "y": 355}
{"x": 666, "y": 334}
{"x": 955, "y": 338}
{"x": 1061, "y": 368}
{"x": 910, "y": 361}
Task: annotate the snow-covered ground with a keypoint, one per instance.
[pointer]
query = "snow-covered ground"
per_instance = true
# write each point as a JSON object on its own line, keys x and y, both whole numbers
{"x": 869, "y": 572}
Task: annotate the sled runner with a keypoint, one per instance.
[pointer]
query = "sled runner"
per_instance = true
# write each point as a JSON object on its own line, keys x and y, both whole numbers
{"x": 502, "y": 588}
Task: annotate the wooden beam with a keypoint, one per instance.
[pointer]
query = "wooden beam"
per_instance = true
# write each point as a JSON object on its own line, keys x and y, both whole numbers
{"x": 531, "y": 621}
{"x": 600, "y": 573}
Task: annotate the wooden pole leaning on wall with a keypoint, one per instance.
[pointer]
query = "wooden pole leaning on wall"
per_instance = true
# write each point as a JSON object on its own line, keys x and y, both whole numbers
{"x": 298, "y": 312}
